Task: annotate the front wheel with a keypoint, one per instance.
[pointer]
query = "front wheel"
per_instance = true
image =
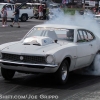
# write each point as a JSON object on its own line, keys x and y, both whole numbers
{"x": 62, "y": 73}
{"x": 7, "y": 73}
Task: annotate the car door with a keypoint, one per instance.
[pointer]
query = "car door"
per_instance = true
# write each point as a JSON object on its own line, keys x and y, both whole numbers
{"x": 26, "y": 9}
{"x": 84, "y": 48}
{"x": 92, "y": 41}
{"x": 10, "y": 11}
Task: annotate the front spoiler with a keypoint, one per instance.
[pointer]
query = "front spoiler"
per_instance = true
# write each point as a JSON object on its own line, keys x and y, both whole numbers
{"x": 21, "y": 63}
{"x": 19, "y": 66}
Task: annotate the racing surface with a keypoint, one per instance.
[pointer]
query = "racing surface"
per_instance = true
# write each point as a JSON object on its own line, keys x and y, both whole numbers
{"x": 43, "y": 86}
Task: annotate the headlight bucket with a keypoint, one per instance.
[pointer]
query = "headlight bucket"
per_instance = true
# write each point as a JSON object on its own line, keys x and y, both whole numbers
{"x": 50, "y": 59}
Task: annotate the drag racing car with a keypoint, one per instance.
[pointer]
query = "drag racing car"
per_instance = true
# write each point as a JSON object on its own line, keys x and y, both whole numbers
{"x": 50, "y": 48}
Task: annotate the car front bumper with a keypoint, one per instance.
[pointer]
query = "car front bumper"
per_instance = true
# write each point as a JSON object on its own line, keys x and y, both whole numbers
{"x": 29, "y": 67}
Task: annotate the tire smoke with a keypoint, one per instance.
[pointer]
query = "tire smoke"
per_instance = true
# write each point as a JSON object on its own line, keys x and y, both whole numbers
{"x": 93, "y": 69}
{"x": 86, "y": 21}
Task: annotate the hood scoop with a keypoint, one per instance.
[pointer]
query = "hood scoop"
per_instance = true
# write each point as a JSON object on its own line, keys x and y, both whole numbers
{"x": 37, "y": 40}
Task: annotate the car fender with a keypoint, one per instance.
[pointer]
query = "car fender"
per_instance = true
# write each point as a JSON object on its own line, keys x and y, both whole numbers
{"x": 63, "y": 53}
{"x": 5, "y": 45}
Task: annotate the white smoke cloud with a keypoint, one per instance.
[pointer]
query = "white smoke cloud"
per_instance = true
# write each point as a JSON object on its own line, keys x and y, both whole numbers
{"x": 88, "y": 22}
{"x": 94, "y": 69}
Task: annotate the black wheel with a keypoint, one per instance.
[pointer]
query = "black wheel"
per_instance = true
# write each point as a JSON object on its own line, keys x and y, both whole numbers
{"x": 7, "y": 73}
{"x": 62, "y": 73}
{"x": 24, "y": 18}
{"x": 12, "y": 19}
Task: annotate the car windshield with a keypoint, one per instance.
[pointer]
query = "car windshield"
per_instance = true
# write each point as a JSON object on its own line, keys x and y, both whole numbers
{"x": 54, "y": 33}
{"x": 1, "y": 6}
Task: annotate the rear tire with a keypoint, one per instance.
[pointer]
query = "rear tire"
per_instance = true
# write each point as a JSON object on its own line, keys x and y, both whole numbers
{"x": 7, "y": 73}
{"x": 93, "y": 65}
{"x": 24, "y": 18}
{"x": 62, "y": 73}
{"x": 12, "y": 19}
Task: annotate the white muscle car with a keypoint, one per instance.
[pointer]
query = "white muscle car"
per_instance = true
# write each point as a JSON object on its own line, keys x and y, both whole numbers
{"x": 50, "y": 48}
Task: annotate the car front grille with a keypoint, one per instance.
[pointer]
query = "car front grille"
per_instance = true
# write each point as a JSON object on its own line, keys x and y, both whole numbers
{"x": 24, "y": 58}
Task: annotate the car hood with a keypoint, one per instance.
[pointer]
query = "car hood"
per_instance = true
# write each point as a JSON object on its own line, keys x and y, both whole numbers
{"x": 20, "y": 48}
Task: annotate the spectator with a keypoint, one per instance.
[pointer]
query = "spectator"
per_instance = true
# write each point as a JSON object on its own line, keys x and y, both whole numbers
{"x": 16, "y": 18}
{"x": 4, "y": 16}
{"x": 44, "y": 12}
{"x": 40, "y": 11}
{"x": 34, "y": 9}
{"x": 99, "y": 11}
{"x": 96, "y": 10}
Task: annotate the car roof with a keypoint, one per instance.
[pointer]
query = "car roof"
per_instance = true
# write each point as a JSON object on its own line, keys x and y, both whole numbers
{"x": 59, "y": 26}
{"x": 6, "y": 3}
{"x": 32, "y": 3}
{"x": 37, "y": 4}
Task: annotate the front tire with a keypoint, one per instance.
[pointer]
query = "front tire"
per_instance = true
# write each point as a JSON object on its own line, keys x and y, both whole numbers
{"x": 62, "y": 73}
{"x": 7, "y": 73}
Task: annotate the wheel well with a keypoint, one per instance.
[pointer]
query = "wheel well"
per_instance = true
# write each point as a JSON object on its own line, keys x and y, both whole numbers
{"x": 25, "y": 14}
{"x": 69, "y": 60}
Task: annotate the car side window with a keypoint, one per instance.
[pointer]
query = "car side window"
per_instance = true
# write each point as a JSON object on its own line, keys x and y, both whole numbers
{"x": 81, "y": 36}
{"x": 84, "y": 36}
{"x": 12, "y": 7}
{"x": 90, "y": 36}
{"x": 9, "y": 7}
{"x": 24, "y": 6}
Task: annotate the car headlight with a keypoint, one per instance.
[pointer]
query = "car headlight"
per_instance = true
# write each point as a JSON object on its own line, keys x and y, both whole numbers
{"x": 50, "y": 59}
{"x": 0, "y": 55}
